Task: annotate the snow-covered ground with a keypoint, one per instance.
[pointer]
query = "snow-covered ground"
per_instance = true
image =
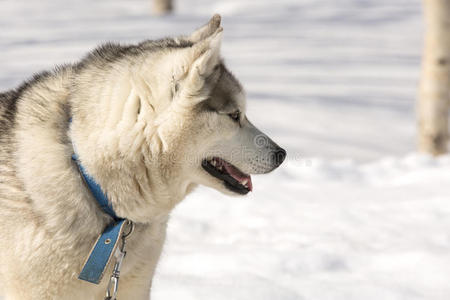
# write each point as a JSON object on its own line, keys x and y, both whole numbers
{"x": 324, "y": 230}
{"x": 352, "y": 214}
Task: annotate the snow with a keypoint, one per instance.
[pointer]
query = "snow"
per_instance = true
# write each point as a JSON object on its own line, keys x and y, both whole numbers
{"x": 354, "y": 213}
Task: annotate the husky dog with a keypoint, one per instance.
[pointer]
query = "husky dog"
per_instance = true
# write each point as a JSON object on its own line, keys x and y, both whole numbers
{"x": 149, "y": 122}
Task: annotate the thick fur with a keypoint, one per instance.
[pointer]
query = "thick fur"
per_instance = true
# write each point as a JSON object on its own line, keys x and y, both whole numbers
{"x": 144, "y": 117}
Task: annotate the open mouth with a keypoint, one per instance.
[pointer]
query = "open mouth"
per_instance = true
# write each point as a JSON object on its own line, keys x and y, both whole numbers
{"x": 234, "y": 179}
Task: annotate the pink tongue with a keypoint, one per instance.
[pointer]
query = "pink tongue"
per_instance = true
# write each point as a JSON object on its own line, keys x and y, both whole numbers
{"x": 238, "y": 175}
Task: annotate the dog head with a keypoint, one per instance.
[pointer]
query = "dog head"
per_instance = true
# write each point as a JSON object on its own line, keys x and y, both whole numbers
{"x": 214, "y": 142}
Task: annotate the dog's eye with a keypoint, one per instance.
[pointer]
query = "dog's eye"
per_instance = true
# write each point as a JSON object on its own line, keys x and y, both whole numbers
{"x": 236, "y": 116}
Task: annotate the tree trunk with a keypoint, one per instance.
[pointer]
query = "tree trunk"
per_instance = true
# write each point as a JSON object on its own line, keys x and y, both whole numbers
{"x": 435, "y": 83}
{"x": 162, "y": 7}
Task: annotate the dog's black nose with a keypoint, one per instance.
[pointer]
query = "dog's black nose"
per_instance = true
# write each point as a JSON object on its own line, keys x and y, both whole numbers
{"x": 280, "y": 155}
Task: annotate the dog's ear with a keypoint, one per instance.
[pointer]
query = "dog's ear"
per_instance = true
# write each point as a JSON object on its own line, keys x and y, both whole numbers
{"x": 205, "y": 60}
{"x": 207, "y": 54}
{"x": 206, "y": 30}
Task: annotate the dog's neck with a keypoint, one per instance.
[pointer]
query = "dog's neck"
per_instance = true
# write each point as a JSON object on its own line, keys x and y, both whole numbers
{"x": 140, "y": 189}
{"x": 132, "y": 188}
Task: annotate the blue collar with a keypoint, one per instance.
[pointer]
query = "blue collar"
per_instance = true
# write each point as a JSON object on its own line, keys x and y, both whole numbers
{"x": 104, "y": 248}
{"x": 96, "y": 190}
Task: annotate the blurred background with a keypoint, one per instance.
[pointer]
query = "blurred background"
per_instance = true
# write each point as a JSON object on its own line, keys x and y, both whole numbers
{"x": 355, "y": 212}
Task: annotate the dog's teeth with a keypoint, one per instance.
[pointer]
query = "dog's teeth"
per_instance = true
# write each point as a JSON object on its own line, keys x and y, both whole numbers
{"x": 244, "y": 182}
{"x": 213, "y": 162}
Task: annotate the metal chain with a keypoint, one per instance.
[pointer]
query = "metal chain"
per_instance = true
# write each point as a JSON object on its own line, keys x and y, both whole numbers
{"x": 113, "y": 285}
